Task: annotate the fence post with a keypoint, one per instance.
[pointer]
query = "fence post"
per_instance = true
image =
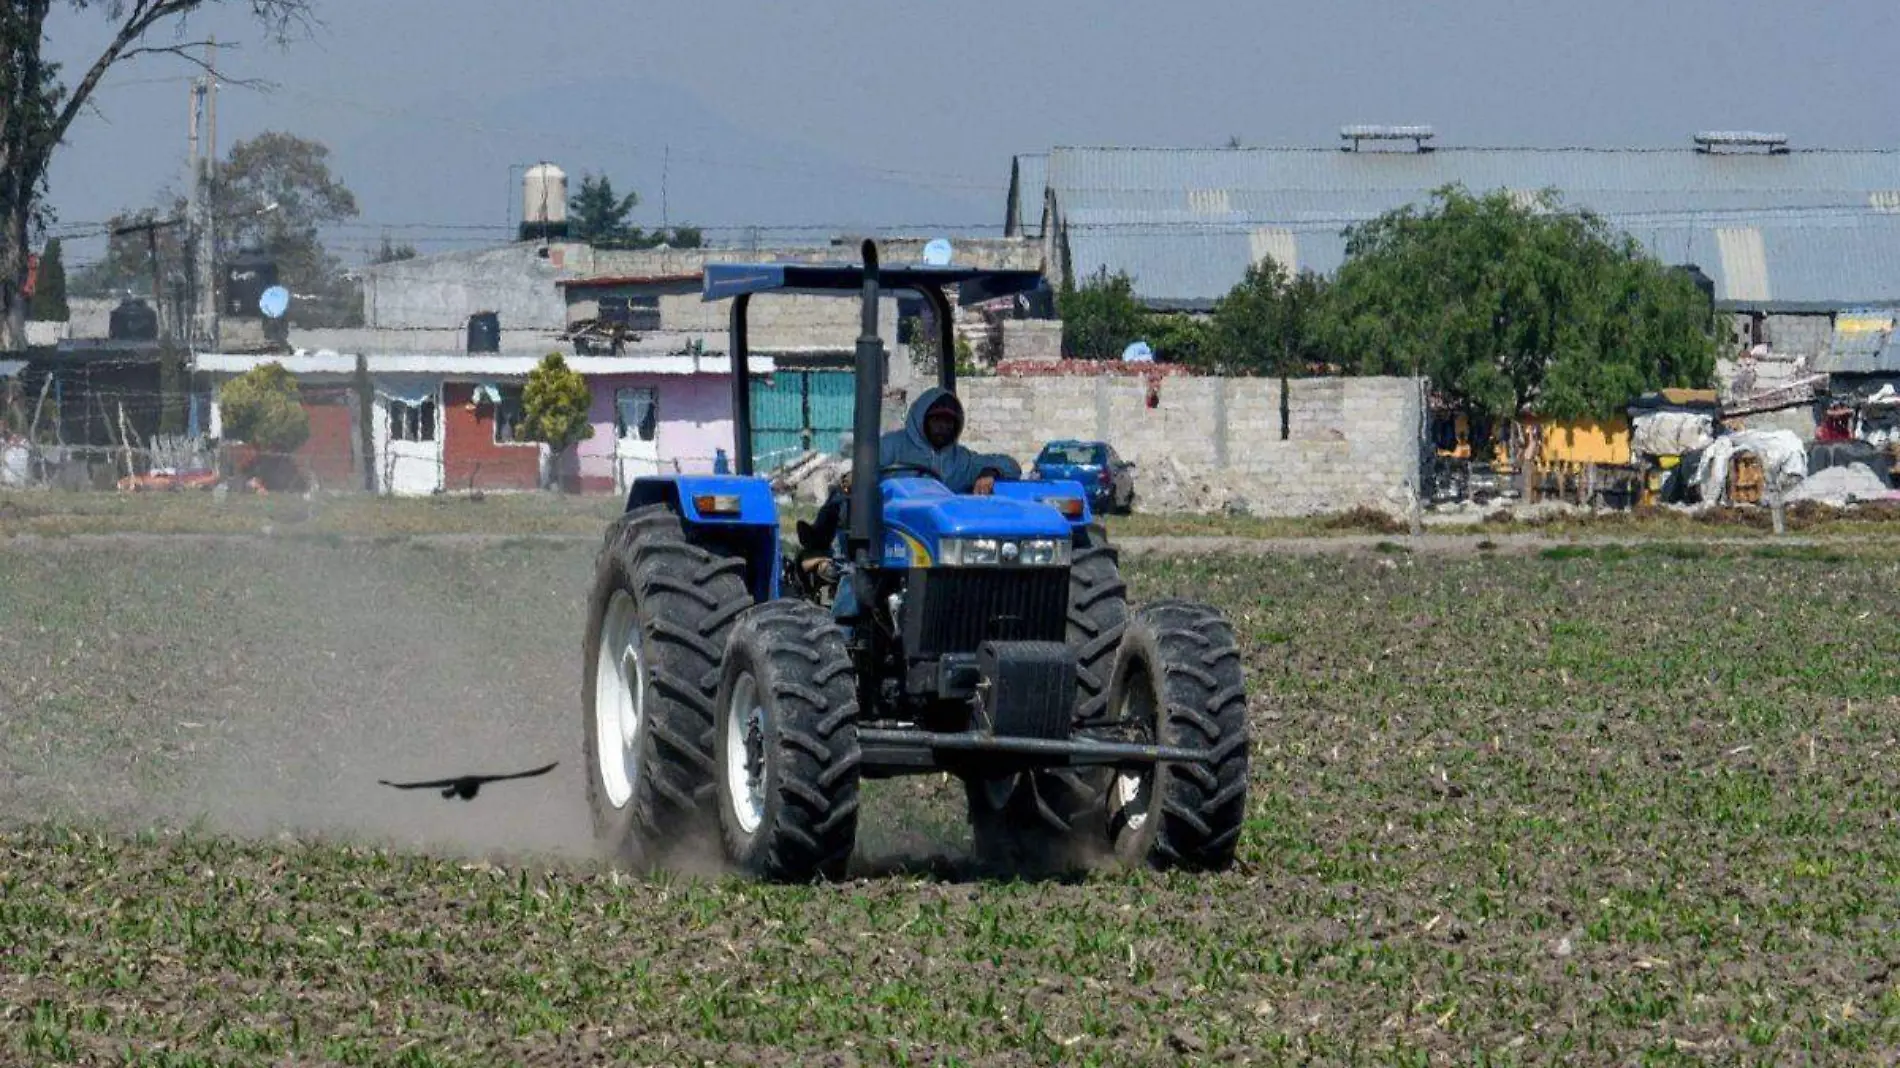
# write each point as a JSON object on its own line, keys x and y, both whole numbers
{"x": 366, "y": 422}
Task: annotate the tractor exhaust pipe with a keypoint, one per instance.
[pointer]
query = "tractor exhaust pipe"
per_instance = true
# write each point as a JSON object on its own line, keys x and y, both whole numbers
{"x": 865, "y": 539}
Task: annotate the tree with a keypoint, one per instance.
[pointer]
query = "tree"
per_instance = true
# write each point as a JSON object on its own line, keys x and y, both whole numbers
{"x": 271, "y": 195}
{"x": 1101, "y": 317}
{"x": 1180, "y": 337}
{"x": 1512, "y": 304}
{"x": 126, "y": 266}
{"x": 1265, "y": 325}
{"x": 49, "y": 292}
{"x": 596, "y": 215}
{"x": 392, "y": 253}
{"x": 37, "y": 109}
{"x": 263, "y": 409}
{"x": 554, "y": 405}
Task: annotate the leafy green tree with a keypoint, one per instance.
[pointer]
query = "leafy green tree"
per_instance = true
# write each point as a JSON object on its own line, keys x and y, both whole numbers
{"x": 1180, "y": 337}
{"x": 262, "y": 407}
{"x": 37, "y": 107}
{"x": 1511, "y": 304}
{"x": 1265, "y": 324}
{"x": 596, "y": 215}
{"x": 1101, "y": 317}
{"x": 49, "y": 292}
{"x": 554, "y": 405}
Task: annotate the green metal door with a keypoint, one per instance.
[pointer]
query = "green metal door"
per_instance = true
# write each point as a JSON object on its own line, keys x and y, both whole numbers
{"x": 778, "y": 419}
{"x": 831, "y": 397}
{"x": 795, "y": 412}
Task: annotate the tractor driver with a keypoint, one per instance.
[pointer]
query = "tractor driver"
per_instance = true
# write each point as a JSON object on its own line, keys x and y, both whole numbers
{"x": 929, "y": 441}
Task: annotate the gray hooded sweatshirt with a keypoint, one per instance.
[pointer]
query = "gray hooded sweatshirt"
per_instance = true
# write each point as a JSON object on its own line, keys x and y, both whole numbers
{"x": 956, "y": 466}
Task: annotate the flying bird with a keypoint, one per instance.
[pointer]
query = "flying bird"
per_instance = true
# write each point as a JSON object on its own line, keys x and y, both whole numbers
{"x": 466, "y": 786}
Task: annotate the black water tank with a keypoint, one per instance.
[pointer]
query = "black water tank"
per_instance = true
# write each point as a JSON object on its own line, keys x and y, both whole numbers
{"x": 246, "y": 277}
{"x": 484, "y": 332}
{"x": 134, "y": 320}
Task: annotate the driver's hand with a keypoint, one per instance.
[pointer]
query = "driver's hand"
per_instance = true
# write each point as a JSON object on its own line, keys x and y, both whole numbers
{"x": 984, "y": 484}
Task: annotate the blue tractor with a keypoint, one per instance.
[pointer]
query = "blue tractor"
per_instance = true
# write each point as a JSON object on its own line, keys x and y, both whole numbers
{"x": 729, "y": 696}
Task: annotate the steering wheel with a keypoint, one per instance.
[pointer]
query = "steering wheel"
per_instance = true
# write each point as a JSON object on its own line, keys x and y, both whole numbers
{"x": 901, "y": 465}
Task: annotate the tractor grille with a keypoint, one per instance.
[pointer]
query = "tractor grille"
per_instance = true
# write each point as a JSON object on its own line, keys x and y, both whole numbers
{"x": 956, "y": 609}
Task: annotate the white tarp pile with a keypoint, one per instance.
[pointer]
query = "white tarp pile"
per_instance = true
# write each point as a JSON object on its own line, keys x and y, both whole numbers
{"x": 1784, "y": 460}
{"x": 1841, "y": 486}
{"x": 1671, "y": 433}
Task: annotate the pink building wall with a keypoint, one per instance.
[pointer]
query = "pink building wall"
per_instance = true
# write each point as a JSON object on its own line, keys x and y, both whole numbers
{"x": 693, "y": 419}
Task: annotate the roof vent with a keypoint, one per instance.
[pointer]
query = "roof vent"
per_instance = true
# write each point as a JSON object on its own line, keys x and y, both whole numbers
{"x": 1418, "y": 135}
{"x": 1715, "y": 140}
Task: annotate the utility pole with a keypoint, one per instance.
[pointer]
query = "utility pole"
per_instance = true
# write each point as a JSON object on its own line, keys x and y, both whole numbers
{"x": 202, "y": 212}
{"x": 150, "y": 229}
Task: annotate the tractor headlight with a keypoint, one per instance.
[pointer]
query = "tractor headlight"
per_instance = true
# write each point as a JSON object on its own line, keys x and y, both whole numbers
{"x": 1045, "y": 552}
{"x": 1008, "y": 552}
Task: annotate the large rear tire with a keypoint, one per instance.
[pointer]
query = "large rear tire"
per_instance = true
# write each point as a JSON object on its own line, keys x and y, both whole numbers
{"x": 1178, "y": 680}
{"x": 657, "y": 622}
{"x": 1056, "y": 818}
{"x": 786, "y": 745}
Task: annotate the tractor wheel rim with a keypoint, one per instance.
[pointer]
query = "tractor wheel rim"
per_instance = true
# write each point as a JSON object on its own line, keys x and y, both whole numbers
{"x": 1132, "y": 793}
{"x": 745, "y": 755}
{"x": 619, "y": 700}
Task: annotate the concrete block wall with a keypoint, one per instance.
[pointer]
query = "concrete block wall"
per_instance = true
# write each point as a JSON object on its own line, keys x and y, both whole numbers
{"x": 1032, "y": 339}
{"x": 1350, "y": 441}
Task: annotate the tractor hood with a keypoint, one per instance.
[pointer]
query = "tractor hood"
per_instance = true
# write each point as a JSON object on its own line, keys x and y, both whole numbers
{"x": 919, "y": 513}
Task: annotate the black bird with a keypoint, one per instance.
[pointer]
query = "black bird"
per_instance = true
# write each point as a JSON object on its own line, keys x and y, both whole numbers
{"x": 466, "y": 786}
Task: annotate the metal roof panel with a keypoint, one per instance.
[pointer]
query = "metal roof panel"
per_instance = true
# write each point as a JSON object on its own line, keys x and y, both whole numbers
{"x": 1828, "y": 221}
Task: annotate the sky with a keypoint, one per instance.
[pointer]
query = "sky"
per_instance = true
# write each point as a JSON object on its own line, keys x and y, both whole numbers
{"x": 837, "y": 114}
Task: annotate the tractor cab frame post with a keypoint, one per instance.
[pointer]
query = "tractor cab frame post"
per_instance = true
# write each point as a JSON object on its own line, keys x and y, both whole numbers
{"x": 865, "y": 540}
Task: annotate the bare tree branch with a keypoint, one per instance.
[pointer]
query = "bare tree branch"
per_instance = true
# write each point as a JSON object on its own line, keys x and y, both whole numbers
{"x": 278, "y": 16}
{"x": 181, "y": 51}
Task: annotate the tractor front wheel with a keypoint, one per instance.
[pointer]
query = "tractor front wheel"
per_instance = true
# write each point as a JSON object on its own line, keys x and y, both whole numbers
{"x": 1178, "y": 681}
{"x": 659, "y": 613}
{"x": 786, "y": 745}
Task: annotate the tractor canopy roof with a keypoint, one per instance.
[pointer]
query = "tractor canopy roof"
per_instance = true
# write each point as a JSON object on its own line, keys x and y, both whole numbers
{"x": 974, "y": 284}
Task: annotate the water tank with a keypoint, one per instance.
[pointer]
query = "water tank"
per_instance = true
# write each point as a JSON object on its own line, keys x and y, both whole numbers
{"x": 245, "y": 278}
{"x": 544, "y": 201}
{"x": 133, "y": 320}
{"x": 484, "y": 332}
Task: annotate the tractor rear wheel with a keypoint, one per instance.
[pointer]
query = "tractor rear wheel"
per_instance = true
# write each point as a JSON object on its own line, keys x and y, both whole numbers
{"x": 1057, "y": 817}
{"x": 786, "y": 744}
{"x": 657, "y": 621}
{"x": 1178, "y": 682}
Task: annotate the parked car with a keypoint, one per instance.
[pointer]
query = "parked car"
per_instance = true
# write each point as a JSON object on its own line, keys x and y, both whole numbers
{"x": 1109, "y": 479}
